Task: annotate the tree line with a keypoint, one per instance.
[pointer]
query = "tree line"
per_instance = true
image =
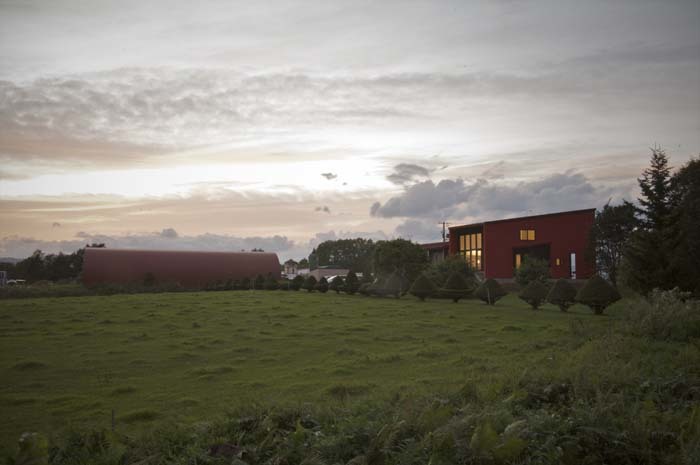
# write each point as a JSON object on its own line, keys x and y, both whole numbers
{"x": 48, "y": 267}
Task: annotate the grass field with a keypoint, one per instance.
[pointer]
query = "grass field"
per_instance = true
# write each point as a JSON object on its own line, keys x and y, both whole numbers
{"x": 299, "y": 378}
{"x": 162, "y": 357}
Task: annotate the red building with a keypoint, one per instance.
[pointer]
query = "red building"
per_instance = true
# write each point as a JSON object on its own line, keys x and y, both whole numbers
{"x": 496, "y": 248}
{"x": 191, "y": 269}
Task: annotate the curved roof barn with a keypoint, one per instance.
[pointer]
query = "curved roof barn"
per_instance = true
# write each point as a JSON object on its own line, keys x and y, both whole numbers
{"x": 190, "y": 269}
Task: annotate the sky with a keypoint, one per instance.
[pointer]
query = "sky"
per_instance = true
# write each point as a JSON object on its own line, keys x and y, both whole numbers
{"x": 277, "y": 125}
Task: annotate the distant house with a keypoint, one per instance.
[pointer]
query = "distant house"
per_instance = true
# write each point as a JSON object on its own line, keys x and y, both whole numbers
{"x": 496, "y": 248}
{"x": 291, "y": 267}
{"x": 437, "y": 251}
{"x": 328, "y": 271}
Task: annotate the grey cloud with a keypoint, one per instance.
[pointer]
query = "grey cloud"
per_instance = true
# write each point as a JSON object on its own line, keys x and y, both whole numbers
{"x": 329, "y": 176}
{"x": 407, "y": 172}
{"x": 455, "y": 199}
{"x": 56, "y": 224}
{"x": 419, "y": 230}
{"x": 323, "y": 209}
{"x": 169, "y": 233}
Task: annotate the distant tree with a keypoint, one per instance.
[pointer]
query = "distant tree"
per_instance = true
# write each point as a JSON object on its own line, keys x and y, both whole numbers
{"x": 149, "y": 279}
{"x": 310, "y": 284}
{"x": 597, "y": 294}
{"x": 303, "y": 263}
{"x": 535, "y": 293}
{"x": 400, "y": 256}
{"x": 655, "y": 185}
{"x": 353, "y": 254}
{"x": 562, "y": 294}
{"x": 337, "y": 284}
{"x": 245, "y": 284}
{"x": 440, "y": 271}
{"x": 259, "y": 282}
{"x": 351, "y": 283}
{"x": 613, "y": 227}
{"x": 423, "y": 287}
{"x": 684, "y": 228}
{"x": 322, "y": 285}
{"x": 297, "y": 282}
{"x": 532, "y": 269}
{"x": 490, "y": 291}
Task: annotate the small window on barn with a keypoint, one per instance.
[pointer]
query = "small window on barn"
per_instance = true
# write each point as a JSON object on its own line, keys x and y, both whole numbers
{"x": 558, "y": 261}
{"x": 527, "y": 234}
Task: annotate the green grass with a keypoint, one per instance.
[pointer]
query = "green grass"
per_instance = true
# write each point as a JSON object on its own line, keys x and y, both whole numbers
{"x": 185, "y": 357}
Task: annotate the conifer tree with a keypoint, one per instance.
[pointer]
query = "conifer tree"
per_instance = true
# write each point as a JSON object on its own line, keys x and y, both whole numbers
{"x": 352, "y": 284}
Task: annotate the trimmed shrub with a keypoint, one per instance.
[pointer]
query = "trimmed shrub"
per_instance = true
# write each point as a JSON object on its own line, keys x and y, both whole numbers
{"x": 352, "y": 284}
{"x": 337, "y": 284}
{"x": 535, "y": 294}
{"x": 271, "y": 283}
{"x": 490, "y": 291}
{"x": 392, "y": 286}
{"x": 245, "y": 284}
{"x": 297, "y": 282}
{"x": 259, "y": 282}
{"x": 365, "y": 289}
{"x": 440, "y": 272}
{"x": 456, "y": 287}
{"x": 322, "y": 285}
{"x": 309, "y": 284}
{"x": 532, "y": 269}
{"x": 284, "y": 285}
{"x": 562, "y": 294}
{"x": 423, "y": 287}
{"x": 597, "y": 294}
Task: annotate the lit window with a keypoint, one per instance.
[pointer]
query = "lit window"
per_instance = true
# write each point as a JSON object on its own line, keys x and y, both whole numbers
{"x": 518, "y": 260}
{"x": 527, "y": 234}
{"x": 471, "y": 248}
{"x": 558, "y": 262}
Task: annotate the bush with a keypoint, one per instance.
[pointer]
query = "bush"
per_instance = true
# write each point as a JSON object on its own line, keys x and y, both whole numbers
{"x": 597, "y": 294}
{"x": 456, "y": 287}
{"x": 351, "y": 283}
{"x": 423, "y": 287}
{"x": 297, "y": 282}
{"x": 271, "y": 283}
{"x": 245, "y": 284}
{"x": 534, "y": 294}
{"x": 365, "y": 289}
{"x": 393, "y": 285}
{"x": 440, "y": 272}
{"x": 666, "y": 315}
{"x": 322, "y": 285}
{"x": 259, "y": 282}
{"x": 562, "y": 294}
{"x": 337, "y": 284}
{"x": 310, "y": 284}
{"x": 532, "y": 269}
{"x": 490, "y": 291}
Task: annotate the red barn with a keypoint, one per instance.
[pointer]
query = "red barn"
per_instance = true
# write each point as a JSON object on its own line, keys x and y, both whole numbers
{"x": 190, "y": 269}
{"x": 496, "y": 248}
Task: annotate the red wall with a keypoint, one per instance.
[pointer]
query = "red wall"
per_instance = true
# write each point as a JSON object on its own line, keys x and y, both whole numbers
{"x": 564, "y": 233}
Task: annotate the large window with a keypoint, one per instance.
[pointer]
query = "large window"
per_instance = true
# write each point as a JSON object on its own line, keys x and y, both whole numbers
{"x": 527, "y": 234}
{"x": 471, "y": 248}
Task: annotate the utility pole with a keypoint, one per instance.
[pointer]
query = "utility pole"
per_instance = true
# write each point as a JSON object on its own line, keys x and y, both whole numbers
{"x": 444, "y": 224}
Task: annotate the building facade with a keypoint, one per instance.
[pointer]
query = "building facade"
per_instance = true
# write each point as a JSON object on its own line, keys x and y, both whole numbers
{"x": 437, "y": 251}
{"x": 497, "y": 248}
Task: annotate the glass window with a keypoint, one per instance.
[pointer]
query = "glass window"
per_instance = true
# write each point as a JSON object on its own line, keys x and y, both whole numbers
{"x": 471, "y": 248}
{"x": 518, "y": 260}
{"x": 527, "y": 234}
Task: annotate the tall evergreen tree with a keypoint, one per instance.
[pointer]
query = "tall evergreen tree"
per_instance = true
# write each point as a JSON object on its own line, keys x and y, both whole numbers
{"x": 648, "y": 251}
{"x": 613, "y": 227}
{"x": 655, "y": 185}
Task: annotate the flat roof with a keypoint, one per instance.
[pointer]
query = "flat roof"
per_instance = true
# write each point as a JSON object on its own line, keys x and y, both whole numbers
{"x": 435, "y": 245}
{"x": 569, "y": 212}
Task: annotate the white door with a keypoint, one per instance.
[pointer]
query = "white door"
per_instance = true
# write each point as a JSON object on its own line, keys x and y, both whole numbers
{"x": 573, "y": 265}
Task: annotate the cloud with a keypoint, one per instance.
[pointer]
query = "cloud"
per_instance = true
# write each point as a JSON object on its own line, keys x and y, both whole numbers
{"x": 169, "y": 233}
{"x": 407, "y": 172}
{"x": 329, "y": 176}
{"x": 456, "y": 200}
{"x": 324, "y": 209}
{"x": 419, "y": 230}
{"x": 56, "y": 224}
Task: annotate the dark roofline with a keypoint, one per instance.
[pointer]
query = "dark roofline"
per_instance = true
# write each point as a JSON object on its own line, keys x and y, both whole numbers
{"x": 436, "y": 245}
{"x": 177, "y": 251}
{"x": 568, "y": 212}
